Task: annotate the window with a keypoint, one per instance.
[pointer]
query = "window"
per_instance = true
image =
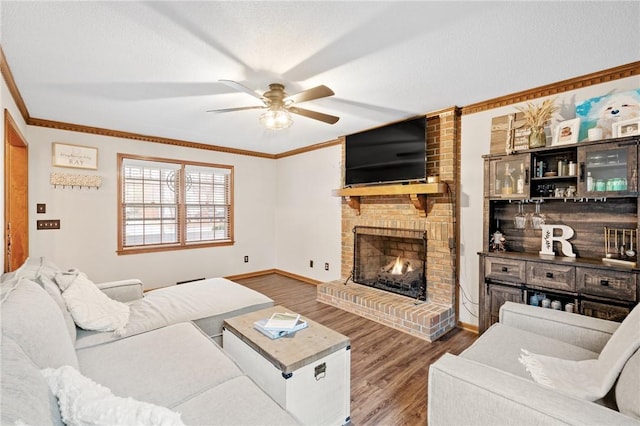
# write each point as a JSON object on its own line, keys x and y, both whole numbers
{"x": 170, "y": 204}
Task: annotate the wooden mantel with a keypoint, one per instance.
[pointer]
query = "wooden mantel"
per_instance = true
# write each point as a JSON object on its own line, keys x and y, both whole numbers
{"x": 417, "y": 193}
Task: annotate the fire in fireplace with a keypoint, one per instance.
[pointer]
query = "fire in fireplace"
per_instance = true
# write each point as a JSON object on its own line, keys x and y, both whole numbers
{"x": 391, "y": 259}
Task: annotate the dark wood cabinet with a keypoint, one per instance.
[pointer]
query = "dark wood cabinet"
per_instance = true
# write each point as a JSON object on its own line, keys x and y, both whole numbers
{"x": 497, "y": 294}
{"x": 605, "y": 311}
{"x": 594, "y": 290}
{"x": 587, "y": 186}
{"x": 510, "y": 176}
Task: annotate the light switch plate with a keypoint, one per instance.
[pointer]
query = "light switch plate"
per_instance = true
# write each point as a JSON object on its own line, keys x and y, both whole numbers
{"x": 48, "y": 224}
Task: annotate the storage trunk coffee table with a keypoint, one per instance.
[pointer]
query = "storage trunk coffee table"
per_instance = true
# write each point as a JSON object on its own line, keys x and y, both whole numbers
{"x": 308, "y": 373}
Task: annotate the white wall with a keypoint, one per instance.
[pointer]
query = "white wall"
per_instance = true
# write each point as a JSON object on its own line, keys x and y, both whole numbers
{"x": 285, "y": 214}
{"x": 7, "y": 102}
{"x": 308, "y": 217}
{"x": 88, "y": 235}
{"x": 476, "y": 134}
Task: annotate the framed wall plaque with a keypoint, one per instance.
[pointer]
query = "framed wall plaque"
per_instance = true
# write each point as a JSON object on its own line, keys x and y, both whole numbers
{"x": 509, "y": 134}
{"x": 74, "y": 156}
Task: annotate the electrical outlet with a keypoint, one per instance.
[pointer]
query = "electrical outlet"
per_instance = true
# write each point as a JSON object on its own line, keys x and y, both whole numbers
{"x": 246, "y": 259}
{"x": 311, "y": 264}
{"x": 326, "y": 266}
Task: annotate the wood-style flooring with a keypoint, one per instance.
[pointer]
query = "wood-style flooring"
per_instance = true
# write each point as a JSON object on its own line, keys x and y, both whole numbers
{"x": 388, "y": 368}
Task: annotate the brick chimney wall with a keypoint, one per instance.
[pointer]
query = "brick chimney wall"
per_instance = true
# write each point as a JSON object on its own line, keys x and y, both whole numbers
{"x": 399, "y": 212}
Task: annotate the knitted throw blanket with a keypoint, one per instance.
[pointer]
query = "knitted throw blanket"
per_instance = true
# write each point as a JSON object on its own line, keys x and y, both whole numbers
{"x": 589, "y": 379}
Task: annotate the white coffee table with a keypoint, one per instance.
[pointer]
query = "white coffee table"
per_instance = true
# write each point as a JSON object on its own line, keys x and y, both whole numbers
{"x": 308, "y": 374}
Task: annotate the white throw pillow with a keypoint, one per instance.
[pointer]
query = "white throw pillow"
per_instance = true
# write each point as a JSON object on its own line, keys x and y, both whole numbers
{"x": 85, "y": 402}
{"x": 90, "y": 308}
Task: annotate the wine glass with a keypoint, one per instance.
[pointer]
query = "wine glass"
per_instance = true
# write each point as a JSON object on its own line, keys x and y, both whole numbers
{"x": 537, "y": 218}
{"x": 520, "y": 219}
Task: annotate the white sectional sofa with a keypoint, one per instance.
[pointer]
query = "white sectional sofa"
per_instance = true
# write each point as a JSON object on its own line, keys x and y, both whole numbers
{"x": 163, "y": 361}
{"x": 488, "y": 385}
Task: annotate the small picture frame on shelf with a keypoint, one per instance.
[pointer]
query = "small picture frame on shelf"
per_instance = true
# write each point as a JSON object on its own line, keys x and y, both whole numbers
{"x": 566, "y": 132}
{"x": 625, "y": 128}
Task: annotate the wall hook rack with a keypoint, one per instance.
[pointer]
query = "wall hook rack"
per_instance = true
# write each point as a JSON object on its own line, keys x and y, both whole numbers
{"x": 73, "y": 180}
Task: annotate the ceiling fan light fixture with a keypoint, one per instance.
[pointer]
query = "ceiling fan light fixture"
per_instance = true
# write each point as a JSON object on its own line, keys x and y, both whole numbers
{"x": 276, "y": 119}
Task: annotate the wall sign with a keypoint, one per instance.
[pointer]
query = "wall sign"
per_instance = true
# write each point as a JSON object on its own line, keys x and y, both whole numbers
{"x": 548, "y": 238}
{"x": 74, "y": 156}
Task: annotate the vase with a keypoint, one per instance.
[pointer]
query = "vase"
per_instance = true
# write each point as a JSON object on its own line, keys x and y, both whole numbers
{"x": 537, "y": 138}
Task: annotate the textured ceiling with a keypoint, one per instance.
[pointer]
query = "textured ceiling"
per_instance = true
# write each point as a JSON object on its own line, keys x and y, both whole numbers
{"x": 153, "y": 67}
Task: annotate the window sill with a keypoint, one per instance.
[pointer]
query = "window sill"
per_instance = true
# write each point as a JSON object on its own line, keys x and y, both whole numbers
{"x": 154, "y": 249}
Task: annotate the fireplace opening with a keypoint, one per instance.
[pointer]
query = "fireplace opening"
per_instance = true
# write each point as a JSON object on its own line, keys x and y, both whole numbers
{"x": 391, "y": 259}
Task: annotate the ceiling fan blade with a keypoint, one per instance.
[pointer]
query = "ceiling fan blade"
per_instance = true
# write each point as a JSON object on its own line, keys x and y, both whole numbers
{"x": 235, "y": 109}
{"x": 329, "y": 119}
{"x": 242, "y": 88}
{"x": 317, "y": 92}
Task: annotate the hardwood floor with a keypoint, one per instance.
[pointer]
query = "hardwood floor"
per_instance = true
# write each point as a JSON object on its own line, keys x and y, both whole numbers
{"x": 388, "y": 368}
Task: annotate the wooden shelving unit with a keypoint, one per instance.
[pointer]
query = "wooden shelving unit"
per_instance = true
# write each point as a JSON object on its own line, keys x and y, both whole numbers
{"x": 417, "y": 192}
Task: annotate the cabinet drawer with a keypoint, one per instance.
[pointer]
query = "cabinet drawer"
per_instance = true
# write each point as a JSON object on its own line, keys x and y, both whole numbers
{"x": 505, "y": 269}
{"x": 603, "y": 311}
{"x": 606, "y": 283}
{"x": 557, "y": 277}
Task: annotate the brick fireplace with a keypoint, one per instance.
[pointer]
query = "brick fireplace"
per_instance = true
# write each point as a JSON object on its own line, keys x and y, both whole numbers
{"x": 434, "y": 316}
{"x": 391, "y": 259}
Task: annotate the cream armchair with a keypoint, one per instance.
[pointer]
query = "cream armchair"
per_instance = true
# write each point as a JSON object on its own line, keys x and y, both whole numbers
{"x": 487, "y": 385}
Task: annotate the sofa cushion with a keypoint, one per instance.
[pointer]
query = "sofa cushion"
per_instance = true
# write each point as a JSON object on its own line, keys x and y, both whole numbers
{"x": 33, "y": 268}
{"x": 238, "y": 401}
{"x": 500, "y": 347}
{"x": 54, "y": 291}
{"x": 85, "y": 402}
{"x": 42, "y": 271}
{"x": 91, "y": 308}
{"x": 26, "y": 398}
{"x": 34, "y": 321}
{"x": 628, "y": 388}
{"x": 208, "y": 303}
{"x": 164, "y": 366}
{"x": 589, "y": 379}
{"x": 191, "y": 302}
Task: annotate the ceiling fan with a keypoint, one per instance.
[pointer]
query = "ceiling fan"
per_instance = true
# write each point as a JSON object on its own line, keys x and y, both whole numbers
{"x": 277, "y": 104}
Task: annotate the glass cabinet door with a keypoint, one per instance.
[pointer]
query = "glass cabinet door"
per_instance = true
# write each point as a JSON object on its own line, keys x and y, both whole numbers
{"x": 608, "y": 170}
{"x": 509, "y": 177}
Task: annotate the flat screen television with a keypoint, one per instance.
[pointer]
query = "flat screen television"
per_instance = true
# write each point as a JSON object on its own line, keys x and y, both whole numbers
{"x": 393, "y": 153}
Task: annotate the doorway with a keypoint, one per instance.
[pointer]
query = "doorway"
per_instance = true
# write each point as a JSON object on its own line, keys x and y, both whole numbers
{"x": 16, "y": 185}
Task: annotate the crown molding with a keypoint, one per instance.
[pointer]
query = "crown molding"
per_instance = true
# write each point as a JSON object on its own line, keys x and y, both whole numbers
{"x": 616, "y": 73}
{"x": 308, "y": 148}
{"x": 445, "y": 112}
{"x": 147, "y": 138}
{"x": 13, "y": 88}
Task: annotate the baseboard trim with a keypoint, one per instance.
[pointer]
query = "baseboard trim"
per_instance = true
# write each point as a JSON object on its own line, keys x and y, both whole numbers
{"x": 468, "y": 327}
{"x": 251, "y": 274}
{"x": 273, "y": 271}
{"x": 297, "y": 277}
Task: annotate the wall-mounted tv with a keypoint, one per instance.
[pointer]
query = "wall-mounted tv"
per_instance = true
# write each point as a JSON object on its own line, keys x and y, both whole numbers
{"x": 396, "y": 152}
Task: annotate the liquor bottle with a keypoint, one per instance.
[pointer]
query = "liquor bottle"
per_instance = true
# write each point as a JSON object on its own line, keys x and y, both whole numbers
{"x": 507, "y": 182}
{"x": 520, "y": 181}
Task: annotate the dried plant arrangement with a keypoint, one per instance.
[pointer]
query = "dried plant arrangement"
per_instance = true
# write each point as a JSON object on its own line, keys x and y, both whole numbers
{"x": 537, "y": 116}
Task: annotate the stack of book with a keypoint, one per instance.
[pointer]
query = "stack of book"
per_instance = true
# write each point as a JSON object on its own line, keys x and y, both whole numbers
{"x": 280, "y": 325}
